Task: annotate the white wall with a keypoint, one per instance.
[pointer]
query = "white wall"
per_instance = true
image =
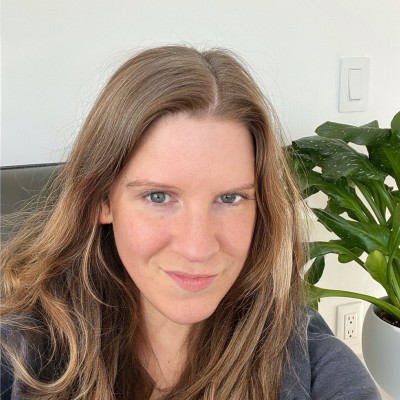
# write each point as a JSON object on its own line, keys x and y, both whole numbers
{"x": 56, "y": 55}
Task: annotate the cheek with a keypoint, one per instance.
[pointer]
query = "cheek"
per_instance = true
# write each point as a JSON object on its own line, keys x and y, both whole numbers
{"x": 138, "y": 238}
{"x": 235, "y": 235}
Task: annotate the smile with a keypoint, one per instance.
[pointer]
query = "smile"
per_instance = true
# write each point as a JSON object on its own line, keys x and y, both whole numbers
{"x": 190, "y": 282}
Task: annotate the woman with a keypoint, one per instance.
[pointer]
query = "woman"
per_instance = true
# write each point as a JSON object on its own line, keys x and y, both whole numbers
{"x": 168, "y": 264}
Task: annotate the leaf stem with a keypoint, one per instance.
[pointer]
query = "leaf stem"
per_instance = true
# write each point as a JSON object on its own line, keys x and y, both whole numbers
{"x": 317, "y": 292}
{"x": 394, "y": 281}
{"x": 371, "y": 202}
{"x": 392, "y": 160}
{"x": 383, "y": 195}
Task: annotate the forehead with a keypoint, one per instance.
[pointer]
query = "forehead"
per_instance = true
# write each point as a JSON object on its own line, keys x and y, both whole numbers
{"x": 194, "y": 148}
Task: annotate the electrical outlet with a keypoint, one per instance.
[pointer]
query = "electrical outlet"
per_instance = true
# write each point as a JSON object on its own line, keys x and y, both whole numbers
{"x": 348, "y": 327}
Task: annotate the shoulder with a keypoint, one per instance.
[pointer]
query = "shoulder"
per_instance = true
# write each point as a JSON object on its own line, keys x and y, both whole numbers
{"x": 21, "y": 338}
{"x": 336, "y": 372}
{"x": 6, "y": 372}
{"x": 319, "y": 367}
{"x": 6, "y": 380}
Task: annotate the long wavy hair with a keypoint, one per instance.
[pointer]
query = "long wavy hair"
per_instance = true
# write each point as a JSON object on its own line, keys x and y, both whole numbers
{"x": 70, "y": 312}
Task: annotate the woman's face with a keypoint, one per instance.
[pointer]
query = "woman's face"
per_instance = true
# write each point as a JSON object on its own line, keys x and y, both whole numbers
{"x": 183, "y": 214}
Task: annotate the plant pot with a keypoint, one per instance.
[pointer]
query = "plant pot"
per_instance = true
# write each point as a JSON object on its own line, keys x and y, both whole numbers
{"x": 381, "y": 351}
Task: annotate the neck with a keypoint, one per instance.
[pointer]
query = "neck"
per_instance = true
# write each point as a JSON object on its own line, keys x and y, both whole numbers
{"x": 164, "y": 351}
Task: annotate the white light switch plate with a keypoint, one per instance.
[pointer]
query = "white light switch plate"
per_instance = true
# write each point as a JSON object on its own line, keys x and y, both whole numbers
{"x": 354, "y": 84}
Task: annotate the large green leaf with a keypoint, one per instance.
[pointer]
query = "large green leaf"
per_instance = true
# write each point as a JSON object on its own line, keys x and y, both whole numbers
{"x": 333, "y": 207}
{"x": 377, "y": 267}
{"x": 346, "y": 258}
{"x": 367, "y": 135}
{"x": 321, "y": 248}
{"x": 378, "y": 158}
{"x": 395, "y": 124}
{"x": 318, "y": 249}
{"x": 300, "y": 161}
{"x": 364, "y": 235}
{"x": 393, "y": 156}
{"x": 314, "y": 273}
{"x": 396, "y": 195}
{"x": 341, "y": 193}
{"x": 337, "y": 159}
{"x": 395, "y": 139}
{"x": 301, "y": 164}
{"x": 303, "y": 178}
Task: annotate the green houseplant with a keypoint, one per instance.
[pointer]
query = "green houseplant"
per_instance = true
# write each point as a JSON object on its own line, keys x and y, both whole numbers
{"x": 363, "y": 207}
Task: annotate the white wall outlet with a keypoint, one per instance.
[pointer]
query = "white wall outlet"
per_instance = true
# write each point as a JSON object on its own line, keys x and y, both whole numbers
{"x": 349, "y": 318}
{"x": 350, "y": 325}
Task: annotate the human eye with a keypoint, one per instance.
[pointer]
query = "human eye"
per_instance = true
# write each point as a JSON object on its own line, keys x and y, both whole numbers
{"x": 230, "y": 198}
{"x": 158, "y": 198}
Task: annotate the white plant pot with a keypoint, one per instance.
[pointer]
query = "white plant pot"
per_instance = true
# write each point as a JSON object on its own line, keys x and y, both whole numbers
{"x": 381, "y": 351}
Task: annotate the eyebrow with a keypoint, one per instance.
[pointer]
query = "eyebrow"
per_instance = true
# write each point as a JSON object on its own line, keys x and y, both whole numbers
{"x": 145, "y": 182}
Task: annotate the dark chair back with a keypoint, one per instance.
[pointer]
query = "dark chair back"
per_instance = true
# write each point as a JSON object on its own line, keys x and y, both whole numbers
{"x": 19, "y": 184}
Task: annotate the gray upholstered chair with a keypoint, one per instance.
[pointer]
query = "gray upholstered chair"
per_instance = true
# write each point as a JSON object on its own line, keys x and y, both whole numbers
{"x": 19, "y": 184}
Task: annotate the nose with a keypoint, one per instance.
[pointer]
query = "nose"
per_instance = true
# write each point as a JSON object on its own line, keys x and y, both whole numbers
{"x": 195, "y": 236}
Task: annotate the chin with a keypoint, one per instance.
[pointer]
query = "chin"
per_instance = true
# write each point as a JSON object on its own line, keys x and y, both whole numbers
{"x": 191, "y": 315}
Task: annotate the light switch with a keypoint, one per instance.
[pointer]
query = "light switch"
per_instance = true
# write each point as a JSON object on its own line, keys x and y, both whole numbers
{"x": 354, "y": 83}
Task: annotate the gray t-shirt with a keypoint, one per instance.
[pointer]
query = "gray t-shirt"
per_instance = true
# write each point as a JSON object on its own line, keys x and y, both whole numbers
{"x": 326, "y": 369}
{"x": 322, "y": 369}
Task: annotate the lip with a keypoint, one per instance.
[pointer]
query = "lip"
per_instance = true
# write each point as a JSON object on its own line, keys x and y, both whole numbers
{"x": 190, "y": 282}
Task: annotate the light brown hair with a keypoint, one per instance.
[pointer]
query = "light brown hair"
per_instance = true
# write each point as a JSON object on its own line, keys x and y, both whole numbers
{"x": 69, "y": 310}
